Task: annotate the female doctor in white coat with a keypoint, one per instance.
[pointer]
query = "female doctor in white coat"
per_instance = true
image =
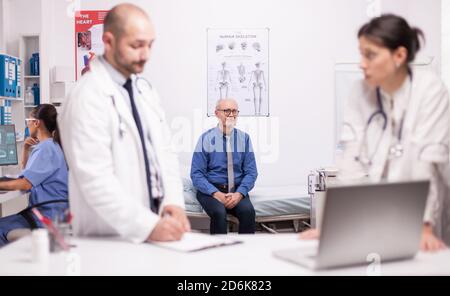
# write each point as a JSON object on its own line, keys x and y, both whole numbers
{"x": 396, "y": 122}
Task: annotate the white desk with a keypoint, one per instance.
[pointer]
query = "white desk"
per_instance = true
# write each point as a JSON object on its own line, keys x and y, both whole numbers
{"x": 252, "y": 258}
{"x": 4, "y": 197}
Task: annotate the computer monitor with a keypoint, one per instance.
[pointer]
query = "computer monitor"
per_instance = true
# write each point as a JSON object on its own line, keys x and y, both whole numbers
{"x": 8, "y": 146}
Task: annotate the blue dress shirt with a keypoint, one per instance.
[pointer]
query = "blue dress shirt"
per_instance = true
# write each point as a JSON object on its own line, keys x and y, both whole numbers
{"x": 209, "y": 162}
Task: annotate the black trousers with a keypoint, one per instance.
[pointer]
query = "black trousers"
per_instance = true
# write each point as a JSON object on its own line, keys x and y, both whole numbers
{"x": 244, "y": 211}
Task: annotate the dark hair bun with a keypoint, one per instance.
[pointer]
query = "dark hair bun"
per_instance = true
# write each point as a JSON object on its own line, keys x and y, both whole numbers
{"x": 393, "y": 31}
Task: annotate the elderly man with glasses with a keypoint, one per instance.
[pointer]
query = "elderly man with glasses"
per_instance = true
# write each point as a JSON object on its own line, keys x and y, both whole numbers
{"x": 224, "y": 171}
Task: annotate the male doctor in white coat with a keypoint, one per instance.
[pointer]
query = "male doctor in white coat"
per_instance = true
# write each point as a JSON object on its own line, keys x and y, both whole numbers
{"x": 124, "y": 179}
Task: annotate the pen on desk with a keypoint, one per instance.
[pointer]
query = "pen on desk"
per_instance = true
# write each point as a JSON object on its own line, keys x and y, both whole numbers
{"x": 51, "y": 228}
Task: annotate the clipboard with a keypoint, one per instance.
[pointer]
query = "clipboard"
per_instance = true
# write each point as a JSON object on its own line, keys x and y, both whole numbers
{"x": 195, "y": 242}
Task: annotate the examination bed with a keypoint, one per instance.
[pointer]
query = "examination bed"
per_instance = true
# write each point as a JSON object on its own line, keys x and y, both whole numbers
{"x": 278, "y": 209}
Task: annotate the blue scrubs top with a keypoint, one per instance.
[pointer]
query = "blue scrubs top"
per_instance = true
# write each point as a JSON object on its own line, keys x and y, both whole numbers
{"x": 46, "y": 170}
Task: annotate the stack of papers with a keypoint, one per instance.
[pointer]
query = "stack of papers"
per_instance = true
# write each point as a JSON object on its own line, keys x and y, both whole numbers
{"x": 193, "y": 242}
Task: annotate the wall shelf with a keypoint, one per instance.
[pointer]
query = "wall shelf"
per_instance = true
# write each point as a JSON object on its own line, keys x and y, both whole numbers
{"x": 28, "y": 44}
{"x": 11, "y": 99}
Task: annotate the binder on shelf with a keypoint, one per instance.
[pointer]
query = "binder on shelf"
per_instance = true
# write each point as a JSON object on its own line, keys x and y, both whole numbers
{"x": 6, "y": 87}
{"x": 13, "y": 76}
{"x": 19, "y": 78}
{"x": 5, "y": 112}
{"x": 10, "y": 79}
{"x": 8, "y": 112}
{"x": 2, "y": 113}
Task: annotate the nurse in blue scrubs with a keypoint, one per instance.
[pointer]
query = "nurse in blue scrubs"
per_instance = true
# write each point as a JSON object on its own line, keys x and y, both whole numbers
{"x": 44, "y": 173}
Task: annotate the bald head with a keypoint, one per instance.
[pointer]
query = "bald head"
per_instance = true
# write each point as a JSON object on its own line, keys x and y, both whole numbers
{"x": 226, "y": 104}
{"x": 128, "y": 38}
{"x": 227, "y": 112}
{"x": 117, "y": 20}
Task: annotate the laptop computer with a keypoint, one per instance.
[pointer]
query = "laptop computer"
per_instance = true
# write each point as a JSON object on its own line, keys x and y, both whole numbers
{"x": 365, "y": 220}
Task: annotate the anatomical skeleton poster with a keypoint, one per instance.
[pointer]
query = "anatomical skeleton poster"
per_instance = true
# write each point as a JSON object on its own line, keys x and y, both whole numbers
{"x": 238, "y": 68}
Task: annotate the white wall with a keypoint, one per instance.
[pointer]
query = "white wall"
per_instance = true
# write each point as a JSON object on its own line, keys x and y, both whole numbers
{"x": 446, "y": 41}
{"x": 307, "y": 37}
{"x": 427, "y": 16}
{"x": 60, "y": 22}
{"x": 24, "y": 18}
{"x": 2, "y": 27}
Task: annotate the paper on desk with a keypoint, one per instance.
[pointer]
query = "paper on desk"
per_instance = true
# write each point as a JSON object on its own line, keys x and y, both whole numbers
{"x": 192, "y": 242}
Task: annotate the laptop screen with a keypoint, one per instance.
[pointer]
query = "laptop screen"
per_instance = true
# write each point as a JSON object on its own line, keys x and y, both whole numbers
{"x": 8, "y": 146}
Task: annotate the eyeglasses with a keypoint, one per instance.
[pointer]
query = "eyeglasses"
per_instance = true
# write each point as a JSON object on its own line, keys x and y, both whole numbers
{"x": 27, "y": 120}
{"x": 227, "y": 112}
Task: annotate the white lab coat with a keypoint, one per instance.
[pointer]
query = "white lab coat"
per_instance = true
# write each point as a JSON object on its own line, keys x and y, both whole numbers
{"x": 107, "y": 180}
{"x": 425, "y": 139}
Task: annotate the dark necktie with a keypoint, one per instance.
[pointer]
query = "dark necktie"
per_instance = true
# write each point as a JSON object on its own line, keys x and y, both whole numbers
{"x": 154, "y": 203}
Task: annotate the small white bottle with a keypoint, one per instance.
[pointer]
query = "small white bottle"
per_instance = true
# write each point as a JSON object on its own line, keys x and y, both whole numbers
{"x": 40, "y": 246}
{"x": 29, "y": 97}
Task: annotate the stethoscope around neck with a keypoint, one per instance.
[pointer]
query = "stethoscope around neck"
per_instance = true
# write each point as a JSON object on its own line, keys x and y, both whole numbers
{"x": 138, "y": 82}
{"x": 395, "y": 151}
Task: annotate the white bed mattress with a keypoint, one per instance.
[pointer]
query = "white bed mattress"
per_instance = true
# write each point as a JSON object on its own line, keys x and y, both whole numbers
{"x": 268, "y": 201}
